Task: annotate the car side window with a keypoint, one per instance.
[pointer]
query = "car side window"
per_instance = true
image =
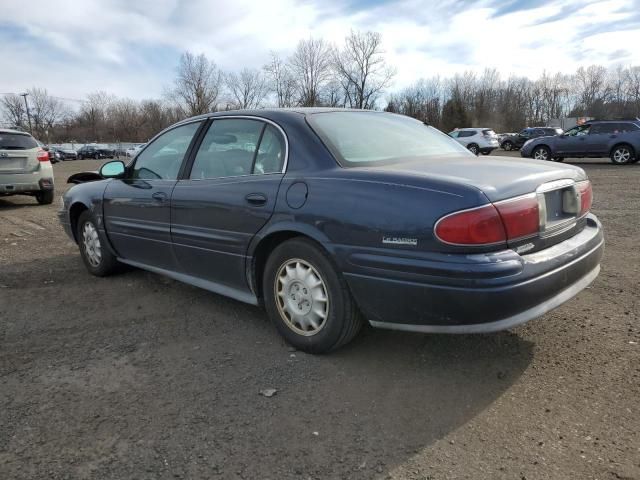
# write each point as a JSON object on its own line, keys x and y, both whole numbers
{"x": 228, "y": 149}
{"x": 539, "y": 132}
{"x": 454, "y": 134}
{"x": 271, "y": 152}
{"x": 162, "y": 159}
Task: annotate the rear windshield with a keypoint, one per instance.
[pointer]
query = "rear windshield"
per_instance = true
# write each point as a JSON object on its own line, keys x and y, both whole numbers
{"x": 16, "y": 141}
{"x": 363, "y": 138}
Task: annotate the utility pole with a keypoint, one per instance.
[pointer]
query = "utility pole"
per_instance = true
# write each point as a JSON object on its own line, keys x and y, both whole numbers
{"x": 26, "y": 105}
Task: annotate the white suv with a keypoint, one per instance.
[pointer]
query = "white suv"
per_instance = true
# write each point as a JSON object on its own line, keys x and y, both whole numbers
{"x": 25, "y": 168}
{"x": 477, "y": 140}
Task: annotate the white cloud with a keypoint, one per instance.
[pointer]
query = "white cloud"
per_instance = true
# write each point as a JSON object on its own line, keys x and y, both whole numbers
{"x": 131, "y": 48}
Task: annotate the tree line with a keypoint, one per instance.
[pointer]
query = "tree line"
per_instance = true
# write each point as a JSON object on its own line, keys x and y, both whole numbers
{"x": 355, "y": 74}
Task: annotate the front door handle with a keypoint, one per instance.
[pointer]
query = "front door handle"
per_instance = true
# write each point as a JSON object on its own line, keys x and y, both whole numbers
{"x": 159, "y": 196}
{"x": 256, "y": 199}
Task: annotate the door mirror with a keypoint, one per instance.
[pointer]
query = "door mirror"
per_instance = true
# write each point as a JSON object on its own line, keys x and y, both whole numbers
{"x": 113, "y": 169}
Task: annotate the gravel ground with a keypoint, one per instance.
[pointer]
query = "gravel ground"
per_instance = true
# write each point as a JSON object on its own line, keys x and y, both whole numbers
{"x": 138, "y": 376}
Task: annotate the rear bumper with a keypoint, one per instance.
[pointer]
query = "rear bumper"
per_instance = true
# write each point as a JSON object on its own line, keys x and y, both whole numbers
{"x": 474, "y": 293}
{"x": 27, "y": 182}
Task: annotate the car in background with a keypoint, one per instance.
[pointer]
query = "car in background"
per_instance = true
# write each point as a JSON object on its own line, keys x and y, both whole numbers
{"x": 59, "y": 154}
{"x": 290, "y": 209}
{"x": 503, "y": 136}
{"x": 133, "y": 151}
{"x": 477, "y": 140}
{"x": 617, "y": 139}
{"x": 25, "y": 168}
{"x": 96, "y": 151}
{"x": 515, "y": 142}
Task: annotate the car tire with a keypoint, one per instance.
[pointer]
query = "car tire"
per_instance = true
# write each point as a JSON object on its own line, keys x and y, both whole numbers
{"x": 45, "y": 197}
{"x": 508, "y": 146}
{"x": 307, "y": 299}
{"x": 623, "y": 155}
{"x": 95, "y": 254}
{"x": 473, "y": 148}
{"x": 79, "y": 157}
{"x": 541, "y": 153}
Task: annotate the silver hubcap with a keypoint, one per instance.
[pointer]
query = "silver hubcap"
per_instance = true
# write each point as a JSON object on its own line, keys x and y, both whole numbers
{"x": 301, "y": 296}
{"x": 473, "y": 150}
{"x": 91, "y": 243}
{"x": 622, "y": 155}
{"x": 507, "y": 146}
{"x": 541, "y": 154}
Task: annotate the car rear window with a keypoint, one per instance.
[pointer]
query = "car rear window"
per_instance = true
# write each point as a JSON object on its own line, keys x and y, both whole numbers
{"x": 16, "y": 141}
{"x": 368, "y": 138}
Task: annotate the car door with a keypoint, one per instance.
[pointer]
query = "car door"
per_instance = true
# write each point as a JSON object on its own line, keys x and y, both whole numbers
{"x": 137, "y": 212}
{"x": 573, "y": 141}
{"x": 598, "y": 139}
{"x": 229, "y": 193}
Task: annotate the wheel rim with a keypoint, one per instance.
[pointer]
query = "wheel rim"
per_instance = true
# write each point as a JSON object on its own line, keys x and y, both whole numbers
{"x": 91, "y": 242}
{"x": 622, "y": 155}
{"x": 541, "y": 154}
{"x": 507, "y": 146}
{"x": 301, "y": 296}
{"x": 473, "y": 149}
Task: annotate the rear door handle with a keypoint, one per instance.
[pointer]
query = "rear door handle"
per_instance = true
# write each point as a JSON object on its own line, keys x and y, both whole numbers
{"x": 256, "y": 199}
{"x": 159, "y": 196}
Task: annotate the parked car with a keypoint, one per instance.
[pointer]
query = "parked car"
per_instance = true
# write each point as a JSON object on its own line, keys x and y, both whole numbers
{"x": 514, "y": 142}
{"x": 339, "y": 217}
{"x": 477, "y": 140}
{"x": 616, "y": 139}
{"x": 503, "y": 136}
{"x": 25, "y": 168}
{"x": 96, "y": 151}
{"x": 59, "y": 154}
{"x": 133, "y": 151}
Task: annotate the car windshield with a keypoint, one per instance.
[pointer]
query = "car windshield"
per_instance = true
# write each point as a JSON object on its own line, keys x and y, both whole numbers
{"x": 16, "y": 141}
{"x": 368, "y": 138}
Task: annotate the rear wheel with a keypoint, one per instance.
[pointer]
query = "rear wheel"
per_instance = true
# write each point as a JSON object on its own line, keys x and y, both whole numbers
{"x": 541, "y": 153}
{"x": 44, "y": 197}
{"x": 623, "y": 155}
{"x": 96, "y": 257}
{"x": 473, "y": 148}
{"x": 508, "y": 146}
{"x": 307, "y": 298}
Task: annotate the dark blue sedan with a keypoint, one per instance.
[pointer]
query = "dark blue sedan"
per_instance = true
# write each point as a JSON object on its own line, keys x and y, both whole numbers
{"x": 333, "y": 218}
{"x": 619, "y": 140}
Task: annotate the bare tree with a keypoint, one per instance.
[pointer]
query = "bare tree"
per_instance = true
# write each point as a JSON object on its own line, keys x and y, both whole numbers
{"x": 311, "y": 64}
{"x": 281, "y": 81}
{"x": 198, "y": 85}
{"x": 45, "y": 111}
{"x": 362, "y": 69}
{"x": 13, "y": 110}
{"x": 247, "y": 88}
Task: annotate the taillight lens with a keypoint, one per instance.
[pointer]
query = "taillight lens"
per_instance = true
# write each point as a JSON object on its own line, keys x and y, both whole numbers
{"x": 43, "y": 156}
{"x": 478, "y": 226}
{"x": 520, "y": 216}
{"x": 586, "y": 197}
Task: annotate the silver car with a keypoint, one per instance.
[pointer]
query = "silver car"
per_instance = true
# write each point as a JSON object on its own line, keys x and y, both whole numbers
{"x": 25, "y": 168}
{"x": 477, "y": 140}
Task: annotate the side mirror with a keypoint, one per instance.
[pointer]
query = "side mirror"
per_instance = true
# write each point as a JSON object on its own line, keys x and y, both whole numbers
{"x": 113, "y": 169}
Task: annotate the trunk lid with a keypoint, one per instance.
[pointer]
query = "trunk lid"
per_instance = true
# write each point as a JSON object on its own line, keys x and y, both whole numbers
{"x": 498, "y": 178}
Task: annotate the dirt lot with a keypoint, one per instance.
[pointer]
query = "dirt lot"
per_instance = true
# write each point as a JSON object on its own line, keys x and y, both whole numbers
{"x": 138, "y": 376}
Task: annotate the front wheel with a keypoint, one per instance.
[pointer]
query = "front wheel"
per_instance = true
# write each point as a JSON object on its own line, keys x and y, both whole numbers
{"x": 307, "y": 298}
{"x": 541, "y": 153}
{"x": 96, "y": 257}
{"x": 622, "y": 155}
{"x": 508, "y": 146}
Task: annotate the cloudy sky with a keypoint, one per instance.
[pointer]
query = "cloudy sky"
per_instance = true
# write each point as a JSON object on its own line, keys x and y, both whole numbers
{"x": 131, "y": 47}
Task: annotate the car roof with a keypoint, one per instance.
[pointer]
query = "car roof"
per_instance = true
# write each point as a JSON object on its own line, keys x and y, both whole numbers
{"x": 19, "y": 132}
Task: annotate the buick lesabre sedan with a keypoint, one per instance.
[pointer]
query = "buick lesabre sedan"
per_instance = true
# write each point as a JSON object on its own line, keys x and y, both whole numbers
{"x": 334, "y": 218}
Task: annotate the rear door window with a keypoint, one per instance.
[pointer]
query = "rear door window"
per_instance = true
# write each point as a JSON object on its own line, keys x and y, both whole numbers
{"x": 16, "y": 141}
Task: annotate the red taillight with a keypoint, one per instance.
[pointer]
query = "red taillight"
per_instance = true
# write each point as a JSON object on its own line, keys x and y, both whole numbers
{"x": 520, "y": 216}
{"x": 478, "y": 226}
{"x": 586, "y": 196}
{"x": 43, "y": 156}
